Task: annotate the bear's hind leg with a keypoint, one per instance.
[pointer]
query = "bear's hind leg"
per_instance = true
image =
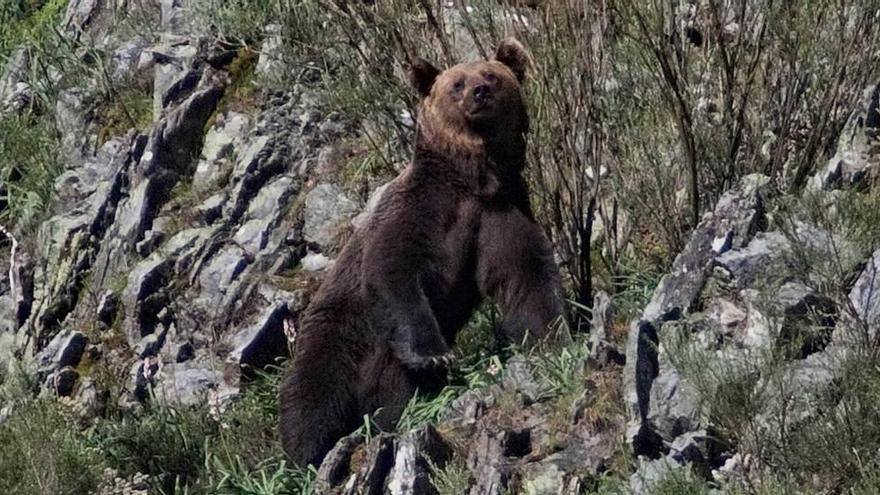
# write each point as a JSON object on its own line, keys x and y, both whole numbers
{"x": 318, "y": 407}
{"x": 389, "y": 385}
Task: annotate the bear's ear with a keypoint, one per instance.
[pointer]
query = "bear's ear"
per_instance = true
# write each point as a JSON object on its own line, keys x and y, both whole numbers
{"x": 422, "y": 76}
{"x": 512, "y": 54}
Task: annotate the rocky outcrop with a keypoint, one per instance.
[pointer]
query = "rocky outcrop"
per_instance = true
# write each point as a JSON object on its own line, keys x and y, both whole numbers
{"x": 170, "y": 236}
{"x": 738, "y": 216}
{"x": 857, "y": 158}
{"x": 15, "y": 92}
{"x": 740, "y": 307}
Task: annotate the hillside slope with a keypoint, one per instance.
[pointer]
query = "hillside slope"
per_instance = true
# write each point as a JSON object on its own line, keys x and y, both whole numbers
{"x": 176, "y": 177}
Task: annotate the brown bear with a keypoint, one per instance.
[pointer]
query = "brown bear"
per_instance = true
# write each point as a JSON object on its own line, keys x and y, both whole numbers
{"x": 456, "y": 226}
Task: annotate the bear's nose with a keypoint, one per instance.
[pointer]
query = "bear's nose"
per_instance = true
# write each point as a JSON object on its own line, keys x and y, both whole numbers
{"x": 482, "y": 92}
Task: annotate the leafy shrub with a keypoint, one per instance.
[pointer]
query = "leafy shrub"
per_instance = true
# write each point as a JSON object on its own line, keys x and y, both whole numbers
{"x": 26, "y": 21}
{"x": 44, "y": 453}
{"x": 28, "y": 166}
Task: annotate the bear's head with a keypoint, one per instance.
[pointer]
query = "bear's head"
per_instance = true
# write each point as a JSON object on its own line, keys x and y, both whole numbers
{"x": 470, "y": 105}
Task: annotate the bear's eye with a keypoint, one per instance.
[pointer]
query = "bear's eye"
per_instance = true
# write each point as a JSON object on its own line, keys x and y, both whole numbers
{"x": 459, "y": 85}
{"x": 492, "y": 78}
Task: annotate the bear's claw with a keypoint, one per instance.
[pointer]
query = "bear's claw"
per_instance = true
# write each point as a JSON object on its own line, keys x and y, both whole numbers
{"x": 430, "y": 362}
{"x": 442, "y": 361}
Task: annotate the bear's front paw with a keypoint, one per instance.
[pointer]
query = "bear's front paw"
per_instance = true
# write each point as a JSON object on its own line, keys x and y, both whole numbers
{"x": 421, "y": 350}
{"x": 429, "y": 362}
{"x": 438, "y": 356}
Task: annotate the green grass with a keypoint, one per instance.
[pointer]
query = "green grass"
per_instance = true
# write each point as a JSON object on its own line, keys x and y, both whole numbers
{"x": 29, "y": 143}
{"x": 29, "y": 159}
{"x": 681, "y": 482}
{"x": 452, "y": 478}
{"x": 356, "y": 56}
{"x": 833, "y": 448}
{"x": 422, "y": 410}
{"x": 181, "y": 450}
{"x": 168, "y": 443}
{"x": 561, "y": 370}
{"x": 129, "y": 107}
{"x": 268, "y": 477}
{"x": 44, "y": 453}
{"x": 29, "y": 163}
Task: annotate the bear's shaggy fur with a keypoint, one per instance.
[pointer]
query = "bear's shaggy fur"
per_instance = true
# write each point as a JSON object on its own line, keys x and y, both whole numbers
{"x": 455, "y": 227}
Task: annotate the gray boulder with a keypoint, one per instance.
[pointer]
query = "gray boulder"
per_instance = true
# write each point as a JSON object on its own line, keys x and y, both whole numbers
{"x": 327, "y": 207}
{"x": 66, "y": 243}
{"x": 188, "y": 383}
{"x": 65, "y": 350}
{"x": 415, "y": 454}
{"x": 369, "y": 479}
{"x": 763, "y": 257}
{"x": 221, "y": 142}
{"x": 857, "y": 158}
{"x": 270, "y": 65}
{"x": 260, "y": 344}
{"x": 518, "y": 378}
{"x": 865, "y": 294}
{"x": 14, "y": 72}
{"x": 602, "y": 350}
{"x": 143, "y": 297}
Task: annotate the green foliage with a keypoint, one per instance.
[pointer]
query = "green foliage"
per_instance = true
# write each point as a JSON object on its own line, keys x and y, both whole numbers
{"x": 368, "y": 428}
{"x": 28, "y": 143}
{"x": 727, "y": 387}
{"x": 180, "y": 449}
{"x": 483, "y": 372}
{"x": 244, "y": 22}
{"x": 28, "y": 165}
{"x": 621, "y": 124}
{"x": 168, "y": 443}
{"x": 561, "y": 370}
{"x": 839, "y": 446}
{"x": 246, "y": 456}
{"x": 624, "y": 115}
{"x": 421, "y": 410}
{"x": 268, "y": 477}
{"x": 29, "y": 158}
{"x": 611, "y": 484}
{"x": 851, "y": 220}
{"x": 633, "y": 288}
{"x": 681, "y": 482}
{"x": 869, "y": 482}
{"x": 129, "y": 107}
{"x": 43, "y": 452}
{"x": 27, "y": 21}
{"x": 451, "y": 479}
{"x": 478, "y": 338}
{"x": 834, "y": 447}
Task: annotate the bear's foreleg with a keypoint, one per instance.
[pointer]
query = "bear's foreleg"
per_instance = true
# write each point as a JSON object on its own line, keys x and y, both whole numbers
{"x": 515, "y": 267}
{"x": 395, "y": 257}
{"x": 415, "y": 336}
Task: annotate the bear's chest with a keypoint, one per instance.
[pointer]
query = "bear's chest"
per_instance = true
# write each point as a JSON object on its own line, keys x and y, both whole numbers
{"x": 457, "y": 249}
{"x": 451, "y": 283}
